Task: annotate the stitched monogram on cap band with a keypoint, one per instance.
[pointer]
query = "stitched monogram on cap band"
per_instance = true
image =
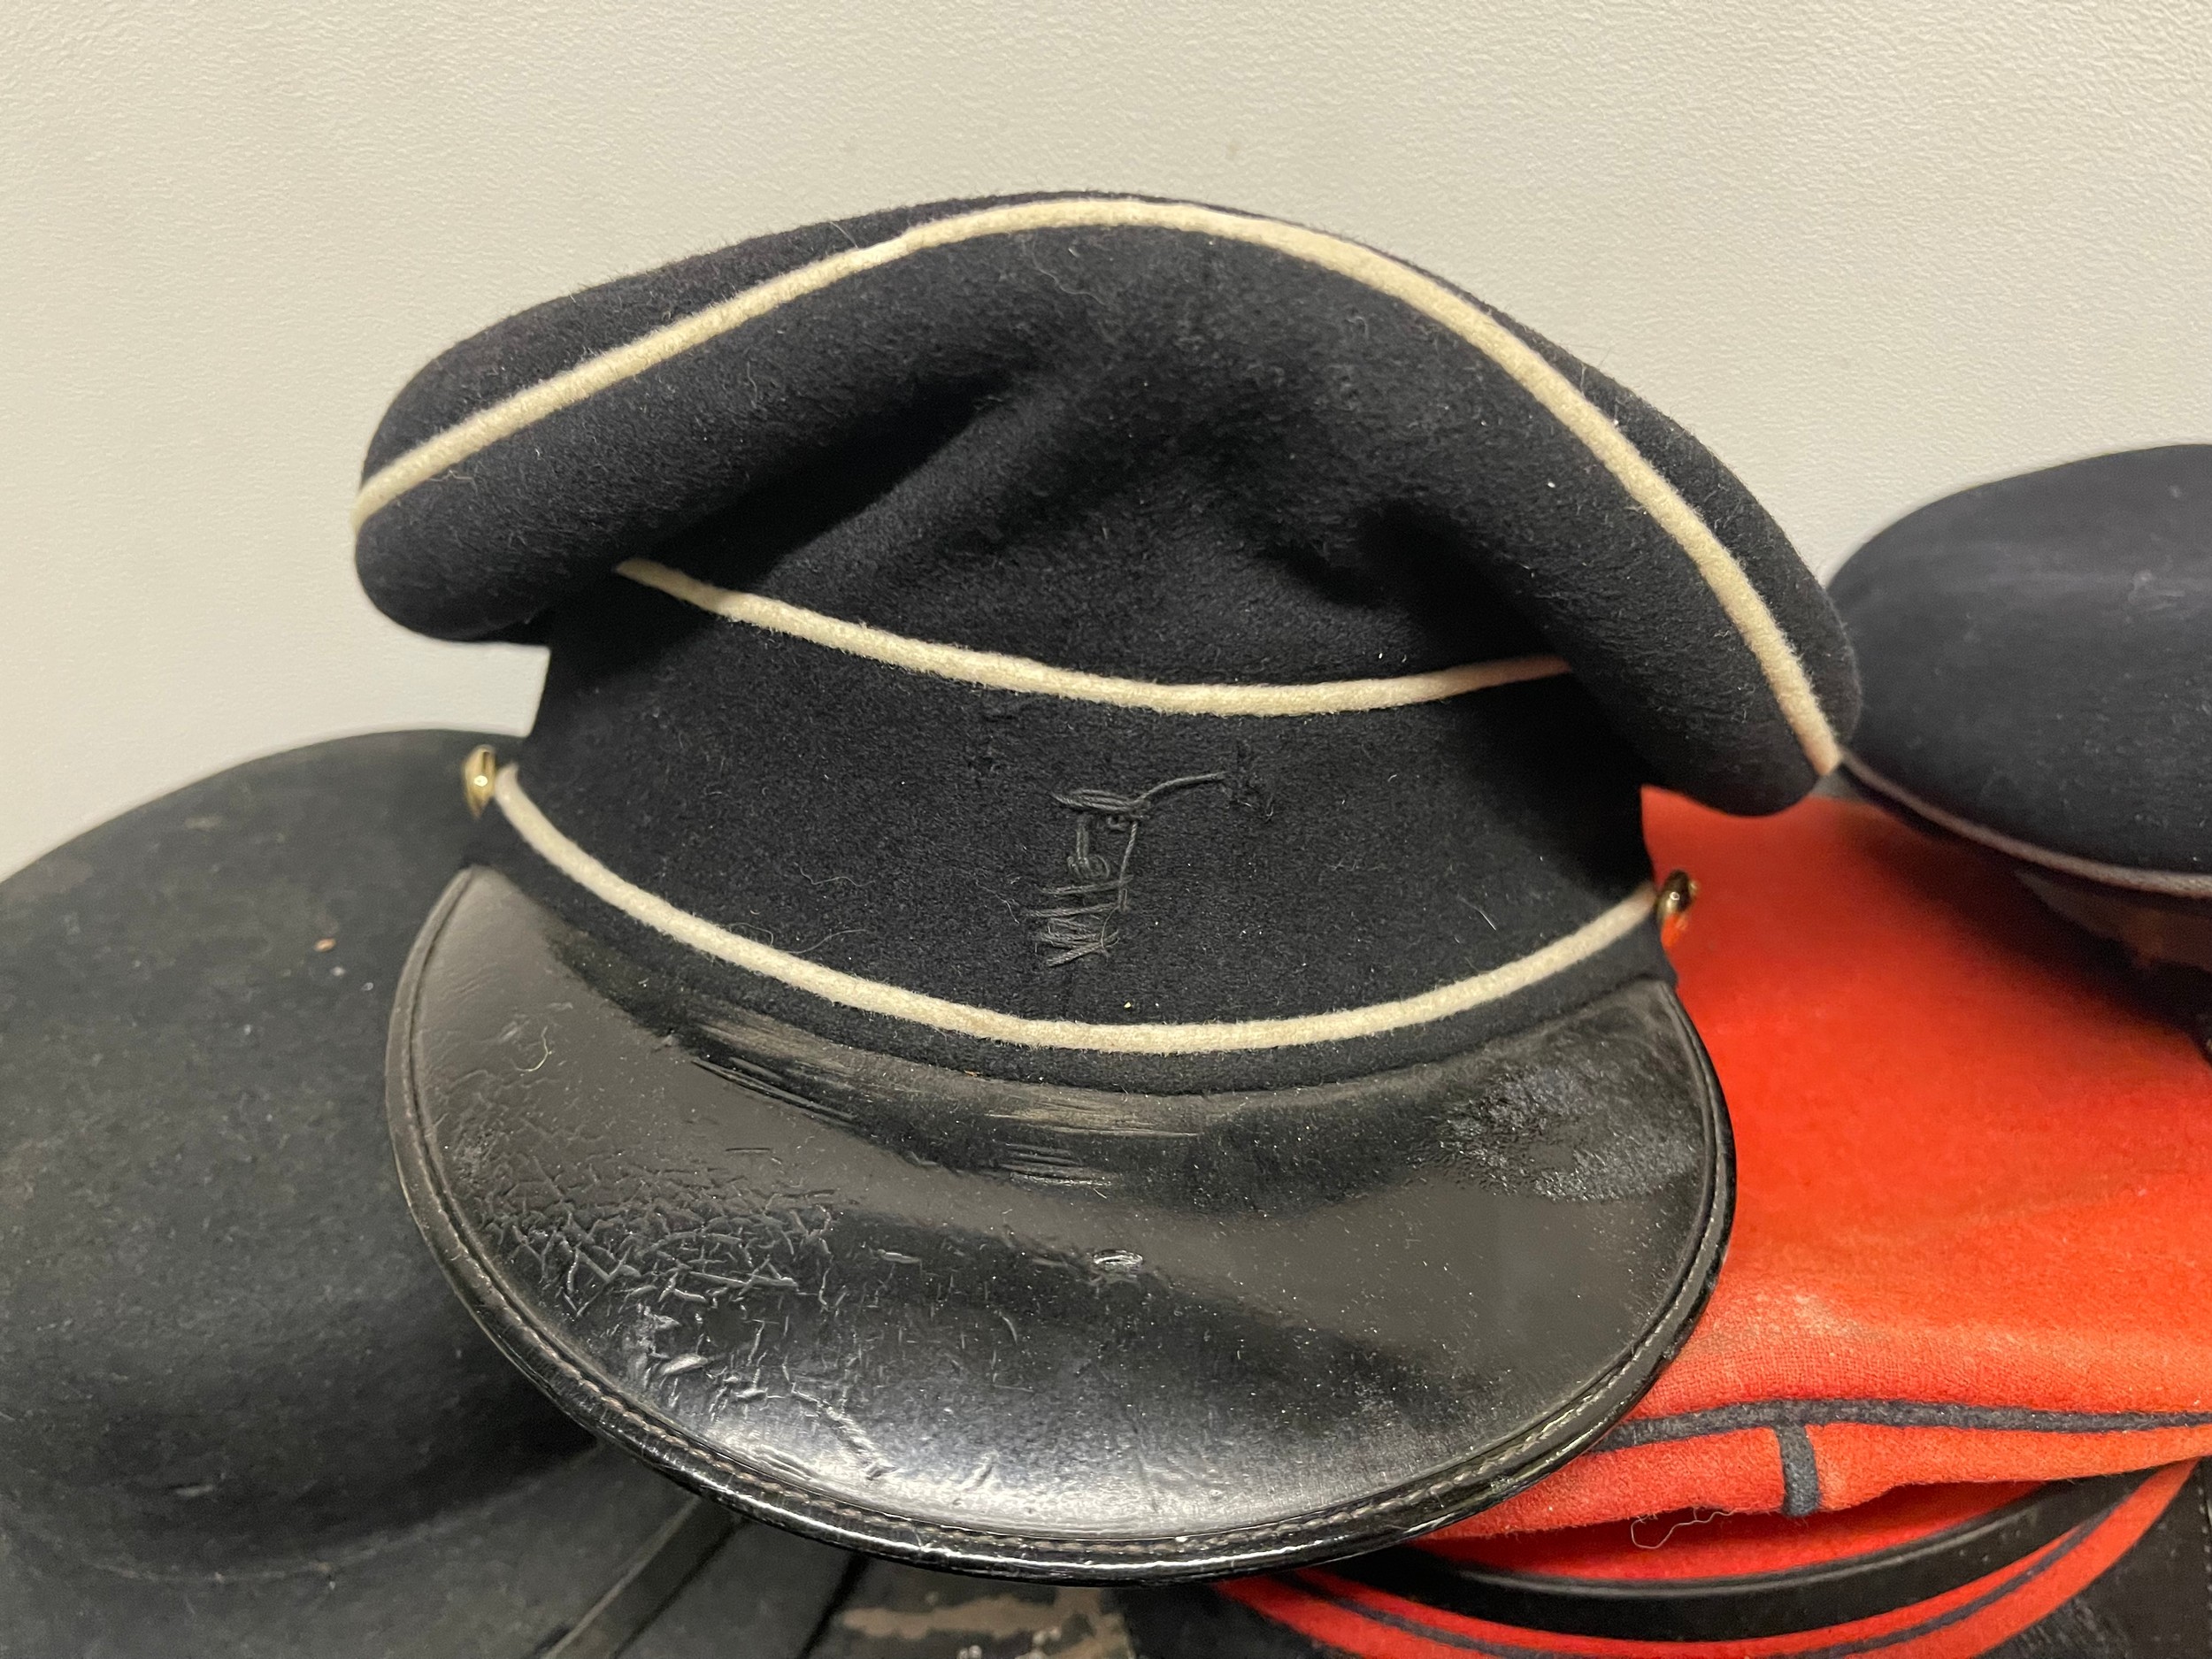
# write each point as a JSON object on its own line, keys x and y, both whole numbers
{"x": 1086, "y": 922}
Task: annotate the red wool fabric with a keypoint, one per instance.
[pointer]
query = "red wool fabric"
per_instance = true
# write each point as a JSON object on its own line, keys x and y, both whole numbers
{"x": 1973, "y": 1238}
{"x": 1704, "y": 1544}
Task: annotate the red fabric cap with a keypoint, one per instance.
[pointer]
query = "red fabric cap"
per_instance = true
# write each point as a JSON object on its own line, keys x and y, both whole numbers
{"x": 1973, "y": 1239}
{"x": 1959, "y": 1624}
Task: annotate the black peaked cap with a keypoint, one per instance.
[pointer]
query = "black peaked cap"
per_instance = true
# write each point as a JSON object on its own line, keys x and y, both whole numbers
{"x": 2038, "y": 659}
{"x": 1066, "y": 981}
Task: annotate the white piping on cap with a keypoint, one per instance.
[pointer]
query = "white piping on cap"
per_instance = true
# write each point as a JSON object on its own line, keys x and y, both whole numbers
{"x": 1003, "y": 672}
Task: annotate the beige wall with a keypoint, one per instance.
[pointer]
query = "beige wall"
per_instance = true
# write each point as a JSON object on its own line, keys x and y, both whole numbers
{"x": 1870, "y": 250}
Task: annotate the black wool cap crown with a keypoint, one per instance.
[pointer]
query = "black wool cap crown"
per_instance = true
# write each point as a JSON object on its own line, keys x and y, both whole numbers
{"x": 2037, "y": 656}
{"x": 1018, "y": 634}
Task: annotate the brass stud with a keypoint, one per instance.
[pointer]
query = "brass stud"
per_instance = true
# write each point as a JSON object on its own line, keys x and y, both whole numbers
{"x": 478, "y": 772}
{"x": 1676, "y": 894}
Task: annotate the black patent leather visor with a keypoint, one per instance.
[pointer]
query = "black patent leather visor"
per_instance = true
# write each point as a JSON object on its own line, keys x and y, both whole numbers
{"x": 1058, "y": 1332}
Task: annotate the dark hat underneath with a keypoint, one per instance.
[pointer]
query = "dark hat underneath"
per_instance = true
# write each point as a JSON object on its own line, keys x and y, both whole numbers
{"x": 2039, "y": 682}
{"x": 2037, "y": 676}
{"x": 1066, "y": 978}
{"x": 240, "y": 1418}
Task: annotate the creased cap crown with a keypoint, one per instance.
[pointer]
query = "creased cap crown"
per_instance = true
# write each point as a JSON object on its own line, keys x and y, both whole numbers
{"x": 1119, "y": 435}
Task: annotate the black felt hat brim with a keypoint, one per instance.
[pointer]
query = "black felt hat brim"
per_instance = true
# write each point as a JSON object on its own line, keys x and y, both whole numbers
{"x": 241, "y": 1416}
{"x": 507, "y": 1576}
{"x": 1015, "y": 1328}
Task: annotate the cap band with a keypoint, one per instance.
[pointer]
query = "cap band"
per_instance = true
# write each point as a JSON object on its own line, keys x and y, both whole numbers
{"x": 873, "y": 996}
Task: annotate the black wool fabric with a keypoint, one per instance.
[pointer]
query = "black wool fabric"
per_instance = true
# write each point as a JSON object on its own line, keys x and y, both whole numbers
{"x": 2038, "y": 659}
{"x": 909, "y": 830}
{"x": 222, "y": 1345}
{"x": 1140, "y": 440}
{"x": 1131, "y": 449}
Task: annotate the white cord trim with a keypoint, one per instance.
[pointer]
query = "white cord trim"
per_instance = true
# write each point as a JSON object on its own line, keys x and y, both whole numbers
{"x": 1211, "y": 1037}
{"x": 2169, "y": 881}
{"x": 1746, "y": 609}
{"x": 1020, "y": 673}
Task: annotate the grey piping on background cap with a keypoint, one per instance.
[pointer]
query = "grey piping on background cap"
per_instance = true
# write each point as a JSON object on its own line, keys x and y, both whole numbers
{"x": 539, "y": 833}
{"x": 2176, "y": 883}
{"x": 1739, "y": 599}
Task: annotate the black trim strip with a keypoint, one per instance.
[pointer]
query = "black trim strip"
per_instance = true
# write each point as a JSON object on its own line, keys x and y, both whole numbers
{"x": 647, "y": 1582}
{"x": 1752, "y": 1606}
{"x": 1800, "y": 1470}
{"x": 1891, "y": 1414}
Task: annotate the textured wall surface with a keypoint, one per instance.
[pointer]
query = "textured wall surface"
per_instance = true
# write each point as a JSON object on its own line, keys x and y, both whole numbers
{"x": 1870, "y": 250}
